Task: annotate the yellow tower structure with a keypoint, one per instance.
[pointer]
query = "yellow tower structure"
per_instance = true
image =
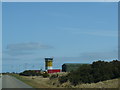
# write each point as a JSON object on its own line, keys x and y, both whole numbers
{"x": 48, "y": 63}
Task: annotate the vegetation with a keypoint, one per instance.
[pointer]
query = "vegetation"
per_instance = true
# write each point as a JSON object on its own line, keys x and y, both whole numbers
{"x": 30, "y": 73}
{"x": 92, "y": 73}
{"x": 40, "y": 82}
{"x": 99, "y": 74}
{"x": 34, "y": 73}
{"x": 63, "y": 79}
{"x": 53, "y": 76}
{"x": 37, "y": 82}
{"x": 45, "y": 75}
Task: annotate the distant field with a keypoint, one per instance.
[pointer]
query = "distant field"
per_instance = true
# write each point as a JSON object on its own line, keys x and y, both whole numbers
{"x": 40, "y": 82}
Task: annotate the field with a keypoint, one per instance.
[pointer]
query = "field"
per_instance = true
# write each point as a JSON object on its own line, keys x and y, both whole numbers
{"x": 40, "y": 82}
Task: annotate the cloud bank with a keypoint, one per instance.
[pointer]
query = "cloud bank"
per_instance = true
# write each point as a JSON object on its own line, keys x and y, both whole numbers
{"x": 25, "y": 49}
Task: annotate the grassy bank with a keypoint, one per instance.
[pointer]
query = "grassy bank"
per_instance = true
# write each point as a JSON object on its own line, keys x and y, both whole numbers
{"x": 40, "y": 82}
{"x": 102, "y": 84}
{"x": 34, "y": 81}
{"x": 114, "y": 83}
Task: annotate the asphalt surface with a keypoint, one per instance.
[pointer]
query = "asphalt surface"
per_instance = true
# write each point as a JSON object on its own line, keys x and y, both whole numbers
{"x": 12, "y": 82}
{"x": 0, "y": 82}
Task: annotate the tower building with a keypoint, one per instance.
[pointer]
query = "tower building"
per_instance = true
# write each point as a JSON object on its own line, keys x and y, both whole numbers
{"x": 48, "y": 63}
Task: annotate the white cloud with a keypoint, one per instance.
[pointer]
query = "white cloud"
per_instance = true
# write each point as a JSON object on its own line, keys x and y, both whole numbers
{"x": 17, "y": 53}
{"x": 28, "y": 46}
{"x": 24, "y": 50}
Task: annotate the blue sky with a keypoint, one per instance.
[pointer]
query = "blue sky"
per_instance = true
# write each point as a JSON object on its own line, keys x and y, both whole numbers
{"x": 69, "y": 32}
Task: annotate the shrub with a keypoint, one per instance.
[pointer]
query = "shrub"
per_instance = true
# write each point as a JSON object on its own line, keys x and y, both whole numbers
{"x": 63, "y": 79}
{"x": 53, "y": 76}
{"x": 45, "y": 75}
{"x": 30, "y": 73}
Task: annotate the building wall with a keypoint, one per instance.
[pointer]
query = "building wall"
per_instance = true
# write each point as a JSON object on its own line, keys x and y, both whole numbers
{"x": 53, "y": 70}
{"x": 70, "y": 67}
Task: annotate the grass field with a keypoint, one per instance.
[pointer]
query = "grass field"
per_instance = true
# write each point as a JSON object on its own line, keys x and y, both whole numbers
{"x": 40, "y": 82}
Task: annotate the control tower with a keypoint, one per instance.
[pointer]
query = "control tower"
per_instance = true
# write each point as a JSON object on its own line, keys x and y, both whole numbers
{"x": 48, "y": 63}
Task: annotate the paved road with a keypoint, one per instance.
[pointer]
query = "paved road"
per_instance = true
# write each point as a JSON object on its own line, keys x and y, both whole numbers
{"x": 12, "y": 82}
{"x": 0, "y": 82}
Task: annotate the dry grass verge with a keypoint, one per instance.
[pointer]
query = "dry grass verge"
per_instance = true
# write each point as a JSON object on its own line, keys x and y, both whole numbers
{"x": 40, "y": 82}
{"x": 34, "y": 81}
{"x": 104, "y": 84}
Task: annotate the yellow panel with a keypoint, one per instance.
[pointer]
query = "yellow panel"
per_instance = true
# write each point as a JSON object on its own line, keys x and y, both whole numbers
{"x": 48, "y": 63}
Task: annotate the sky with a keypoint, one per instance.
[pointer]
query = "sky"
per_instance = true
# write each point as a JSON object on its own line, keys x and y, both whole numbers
{"x": 71, "y": 32}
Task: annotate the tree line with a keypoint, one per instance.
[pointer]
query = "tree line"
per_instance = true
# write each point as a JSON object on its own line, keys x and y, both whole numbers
{"x": 34, "y": 73}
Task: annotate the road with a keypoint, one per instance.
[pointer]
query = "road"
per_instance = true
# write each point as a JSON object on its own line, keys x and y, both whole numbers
{"x": 12, "y": 82}
{"x": 0, "y": 82}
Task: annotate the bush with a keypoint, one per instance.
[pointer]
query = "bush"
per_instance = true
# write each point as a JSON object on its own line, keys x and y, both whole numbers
{"x": 82, "y": 75}
{"x": 30, "y": 73}
{"x": 45, "y": 75}
{"x": 63, "y": 79}
{"x": 53, "y": 76}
